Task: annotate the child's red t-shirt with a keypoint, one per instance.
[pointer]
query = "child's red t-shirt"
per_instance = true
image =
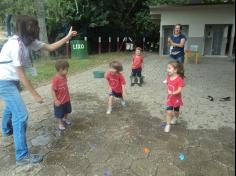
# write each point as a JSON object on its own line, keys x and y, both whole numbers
{"x": 59, "y": 85}
{"x": 173, "y": 85}
{"x": 115, "y": 80}
{"x": 137, "y": 61}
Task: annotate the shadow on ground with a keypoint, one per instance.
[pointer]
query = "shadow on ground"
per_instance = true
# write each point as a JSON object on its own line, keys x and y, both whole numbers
{"x": 101, "y": 145}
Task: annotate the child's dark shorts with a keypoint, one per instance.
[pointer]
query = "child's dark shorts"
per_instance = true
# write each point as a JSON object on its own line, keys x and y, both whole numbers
{"x": 116, "y": 95}
{"x": 171, "y": 108}
{"x": 62, "y": 110}
{"x": 137, "y": 72}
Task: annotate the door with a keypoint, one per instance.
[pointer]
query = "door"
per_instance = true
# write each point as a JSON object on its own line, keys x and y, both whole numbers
{"x": 216, "y": 39}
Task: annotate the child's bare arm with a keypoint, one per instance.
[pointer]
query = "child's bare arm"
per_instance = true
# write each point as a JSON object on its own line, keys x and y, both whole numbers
{"x": 55, "y": 100}
{"x": 178, "y": 91}
{"x": 108, "y": 85}
{"x": 109, "y": 88}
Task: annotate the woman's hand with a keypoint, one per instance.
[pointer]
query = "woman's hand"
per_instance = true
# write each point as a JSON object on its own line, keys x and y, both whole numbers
{"x": 21, "y": 73}
{"x": 38, "y": 98}
{"x": 71, "y": 34}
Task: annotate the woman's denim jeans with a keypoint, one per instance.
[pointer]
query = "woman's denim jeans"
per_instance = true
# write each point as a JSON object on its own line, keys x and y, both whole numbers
{"x": 15, "y": 116}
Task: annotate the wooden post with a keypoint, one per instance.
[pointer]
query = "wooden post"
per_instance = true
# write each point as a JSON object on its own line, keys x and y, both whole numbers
{"x": 109, "y": 46}
{"x": 118, "y": 44}
{"x": 144, "y": 39}
{"x": 68, "y": 54}
{"x": 99, "y": 45}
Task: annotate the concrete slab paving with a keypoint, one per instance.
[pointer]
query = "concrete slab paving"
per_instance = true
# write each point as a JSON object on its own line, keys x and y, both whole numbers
{"x": 131, "y": 141}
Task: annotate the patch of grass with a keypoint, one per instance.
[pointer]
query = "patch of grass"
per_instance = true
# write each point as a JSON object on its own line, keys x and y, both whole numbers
{"x": 46, "y": 67}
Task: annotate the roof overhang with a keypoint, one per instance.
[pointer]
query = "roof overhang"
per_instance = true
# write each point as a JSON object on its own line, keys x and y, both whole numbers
{"x": 158, "y": 9}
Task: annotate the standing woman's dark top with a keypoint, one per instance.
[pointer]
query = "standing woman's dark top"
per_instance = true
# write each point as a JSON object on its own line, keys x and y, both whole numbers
{"x": 177, "y": 42}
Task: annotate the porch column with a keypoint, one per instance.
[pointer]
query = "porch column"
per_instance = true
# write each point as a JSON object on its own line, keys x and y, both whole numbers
{"x": 161, "y": 46}
{"x": 231, "y": 48}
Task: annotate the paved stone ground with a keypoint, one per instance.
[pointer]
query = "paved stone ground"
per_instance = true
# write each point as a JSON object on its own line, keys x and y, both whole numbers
{"x": 101, "y": 145}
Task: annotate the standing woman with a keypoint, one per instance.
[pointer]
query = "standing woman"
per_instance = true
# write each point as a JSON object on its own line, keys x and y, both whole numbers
{"x": 14, "y": 59}
{"x": 177, "y": 42}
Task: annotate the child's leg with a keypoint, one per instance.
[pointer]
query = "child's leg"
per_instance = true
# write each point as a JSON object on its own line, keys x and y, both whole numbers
{"x": 65, "y": 117}
{"x": 61, "y": 124}
{"x": 110, "y": 102}
{"x": 133, "y": 79}
{"x": 65, "y": 120}
{"x": 139, "y": 80}
{"x": 67, "y": 110}
{"x": 175, "y": 116}
{"x": 133, "y": 76}
{"x": 139, "y": 75}
{"x": 177, "y": 112}
{"x": 123, "y": 102}
{"x": 169, "y": 116}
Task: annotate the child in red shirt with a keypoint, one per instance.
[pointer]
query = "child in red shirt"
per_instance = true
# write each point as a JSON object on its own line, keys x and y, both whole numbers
{"x": 137, "y": 66}
{"x": 60, "y": 93}
{"x": 116, "y": 84}
{"x": 175, "y": 84}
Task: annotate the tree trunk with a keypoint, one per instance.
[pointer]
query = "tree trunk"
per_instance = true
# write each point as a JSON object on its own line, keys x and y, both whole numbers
{"x": 40, "y": 10}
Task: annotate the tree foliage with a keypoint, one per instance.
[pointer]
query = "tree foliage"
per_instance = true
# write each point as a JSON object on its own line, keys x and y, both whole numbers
{"x": 128, "y": 16}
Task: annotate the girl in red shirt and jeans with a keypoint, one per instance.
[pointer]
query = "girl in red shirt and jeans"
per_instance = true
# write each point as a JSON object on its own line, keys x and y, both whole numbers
{"x": 116, "y": 84}
{"x": 175, "y": 84}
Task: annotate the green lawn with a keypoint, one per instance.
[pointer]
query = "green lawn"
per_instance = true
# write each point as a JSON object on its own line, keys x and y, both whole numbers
{"x": 46, "y": 69}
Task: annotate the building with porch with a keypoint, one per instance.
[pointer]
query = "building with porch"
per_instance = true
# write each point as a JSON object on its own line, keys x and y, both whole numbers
{"x": 211, "y": 27}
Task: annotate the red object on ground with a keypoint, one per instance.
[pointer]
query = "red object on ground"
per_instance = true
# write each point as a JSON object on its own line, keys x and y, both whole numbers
{"x": 146, "y": 150}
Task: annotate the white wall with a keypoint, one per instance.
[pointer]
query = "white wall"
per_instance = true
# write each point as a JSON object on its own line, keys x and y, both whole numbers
{"x": 197, "y": 18}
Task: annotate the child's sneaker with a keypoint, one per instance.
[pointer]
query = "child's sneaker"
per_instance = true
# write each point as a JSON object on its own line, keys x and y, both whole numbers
{"x": 173, "y": 121}
{"x": 109, "y": 110}
{"x": 123, "y": 103}
{"x": 61, "y": 127}
{"x": 67, "y": 122}
{"x": 167, "y": 128}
